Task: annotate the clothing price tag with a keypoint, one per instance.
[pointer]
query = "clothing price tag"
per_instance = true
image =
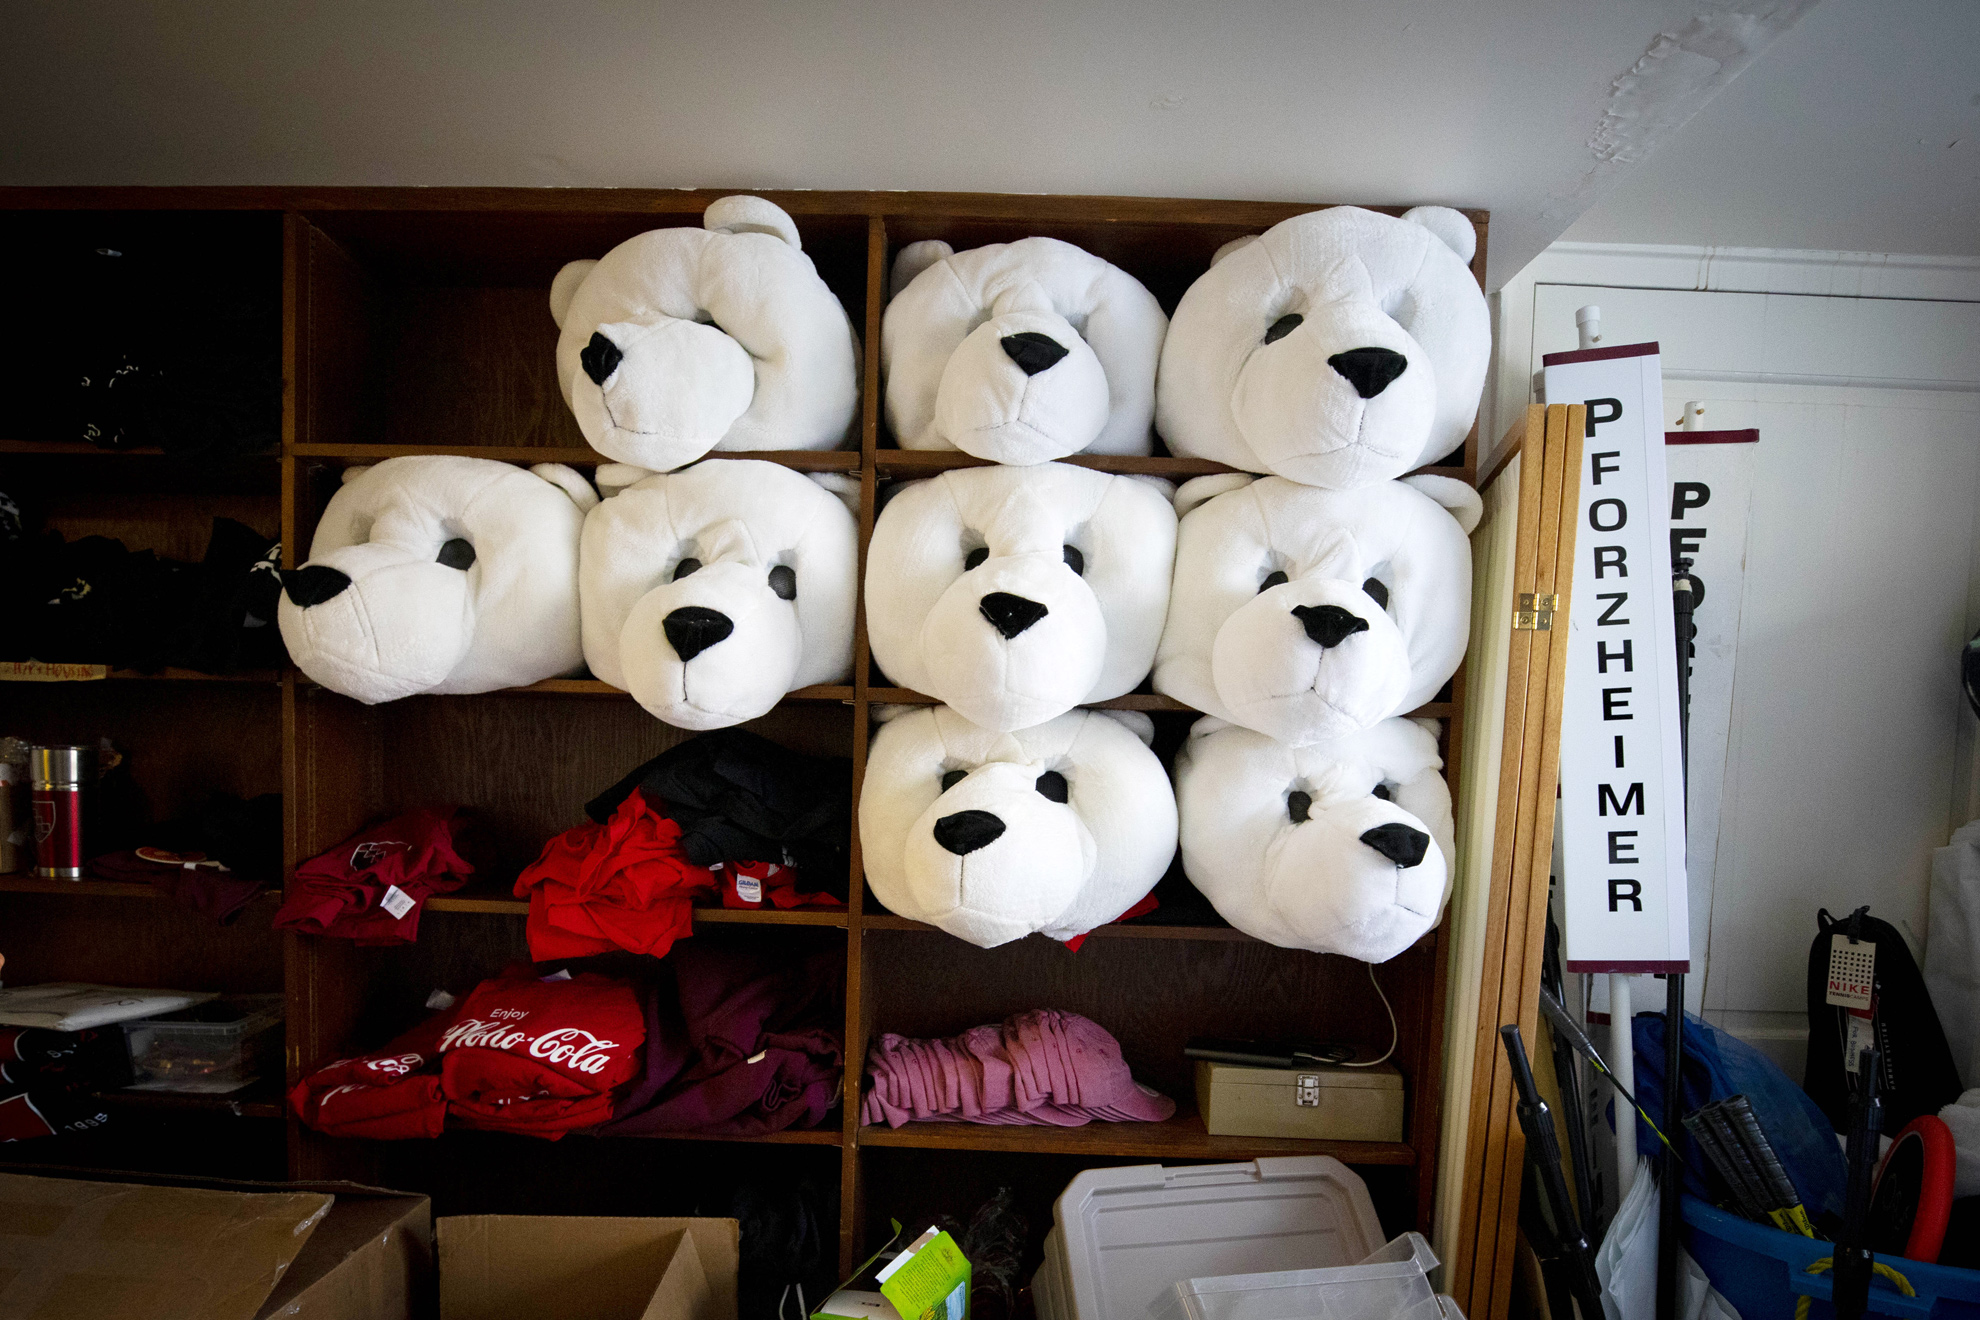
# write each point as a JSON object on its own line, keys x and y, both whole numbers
{"x": 1859, "y": 1034}
{"x": 1852, "y": 969}
{"x": 396, "y": 901}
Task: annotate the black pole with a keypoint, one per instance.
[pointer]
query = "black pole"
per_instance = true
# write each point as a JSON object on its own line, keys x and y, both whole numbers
{"x": 1670, "y": 1175}
{"x": 1543, "y": 1152}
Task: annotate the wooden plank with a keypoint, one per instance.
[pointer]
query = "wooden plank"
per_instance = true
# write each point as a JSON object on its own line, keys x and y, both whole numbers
{"x": 1178, "y": 1138}
{"x": 803, "y": 460}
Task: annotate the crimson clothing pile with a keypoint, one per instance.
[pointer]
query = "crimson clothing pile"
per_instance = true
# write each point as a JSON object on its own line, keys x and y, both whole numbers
{"x": 370, "y": 888}
{"x": 1041, "y": 1067}
{"x": 540, "y": 1057}
{"x": 739, "y": 1042}
{"x": 623, "y": 884}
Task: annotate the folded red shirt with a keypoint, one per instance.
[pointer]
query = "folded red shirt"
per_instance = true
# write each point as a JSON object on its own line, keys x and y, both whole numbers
{"x": 753, "y": 884}
{"x": 370, "y": 887}
{"x": 543, "y": 1057}
{"x": 388, "y": 1095}
{"x": 624, "y": 884}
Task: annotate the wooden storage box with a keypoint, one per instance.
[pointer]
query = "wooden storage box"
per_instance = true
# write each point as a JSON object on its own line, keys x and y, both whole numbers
{"x": 1322, "y": 1103}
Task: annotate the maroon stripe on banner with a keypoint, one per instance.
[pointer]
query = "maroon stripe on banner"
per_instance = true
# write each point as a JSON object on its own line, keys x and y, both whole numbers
{"x": 1598, "y": 354}
{"x": 1748, "y": 437}
{"x": 1628, "y": 968}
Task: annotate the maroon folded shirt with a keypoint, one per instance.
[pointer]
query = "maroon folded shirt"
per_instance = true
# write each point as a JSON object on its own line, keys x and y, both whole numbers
{"x": 370, "y": 887}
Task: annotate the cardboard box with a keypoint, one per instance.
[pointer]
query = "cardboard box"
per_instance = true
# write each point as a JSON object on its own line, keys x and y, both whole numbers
{"x": 118, "y": 1245}
{"x": 1321, "y": 1102}
{"x": 542, "y": 1267}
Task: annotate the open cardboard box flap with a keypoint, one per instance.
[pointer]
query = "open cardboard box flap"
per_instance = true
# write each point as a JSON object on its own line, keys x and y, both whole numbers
{"x": 164, "y": 1248}
{"x": 540, "y": 1267}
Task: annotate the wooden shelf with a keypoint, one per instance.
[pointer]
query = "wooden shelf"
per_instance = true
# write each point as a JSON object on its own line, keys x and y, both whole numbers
{"x": 830, "y": 1134}
{"x": 167, "y": 675}
{"x": 804, "y": 460}
{"x": 493, "y": 904}
{"x": 1118, "y": 930}
{"x": 88, "y": 887}
{"x": 256, "y": 1100}
{"x": 82, "y": 448}
{"x": 1179, "y": 1138}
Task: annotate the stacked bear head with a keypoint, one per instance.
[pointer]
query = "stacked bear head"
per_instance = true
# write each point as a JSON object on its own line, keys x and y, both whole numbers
{"x": 710, "y": 592}
{"x": 1015, "y": 594}
{"x": 437, "y": 574}
{"x": 993, "y": 836}
{"x": 1019, "y": 352}
{"x": 1337, "y": 349}
{"x": 1342, "y": 847}
{"x": 1309, "y": 614}
{"x": 679, "y": 341}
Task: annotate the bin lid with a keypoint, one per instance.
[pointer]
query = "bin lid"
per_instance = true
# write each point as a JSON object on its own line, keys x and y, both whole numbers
{"x": 1129, "y": 1233}
{"x": 1381, "y": 1077}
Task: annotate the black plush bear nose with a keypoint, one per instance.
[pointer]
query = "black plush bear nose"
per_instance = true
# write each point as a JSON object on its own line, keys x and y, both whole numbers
{"x": 694, "y": 628}
{"x": 1032, "y": 351}
{"x": 966, "y": 831}
{"x": 1011, "y": 615}
{"x": 313, "y": 584}
{"x": 1329, "y": 625}
{"x": 600, "y": 358}
{"x": 1399, "y": 843}
{"x": 1369, "y": 370}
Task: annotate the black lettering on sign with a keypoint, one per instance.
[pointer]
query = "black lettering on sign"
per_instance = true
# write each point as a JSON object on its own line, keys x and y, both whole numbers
{"x": 1612, "y": 556}
{"x": 1613, "y": 413}
{"x": 1617, "y": 848}
{"x": 1621, "y": 515}
{"x": 1605, "y": 797}
{"x": 1597, "y": 469}
{"x": 1625, "y": 891}
{"x": 1603, "y": 656}
{"x": 1616, "y": 599}
{"x": 1619, "y": 755}
{"x": 1614, "y": 708}
{"x": 1685, "y": 543}
{"x": 1688, "y": 495}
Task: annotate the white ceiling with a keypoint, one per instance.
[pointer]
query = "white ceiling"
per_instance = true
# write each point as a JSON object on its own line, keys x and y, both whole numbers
{"x": 1859, "y": 131}
{"x": 1531, "y": 108}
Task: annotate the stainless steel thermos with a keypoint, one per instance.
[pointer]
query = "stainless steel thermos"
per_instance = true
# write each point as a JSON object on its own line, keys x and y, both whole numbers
{"x": 56, "y": 776}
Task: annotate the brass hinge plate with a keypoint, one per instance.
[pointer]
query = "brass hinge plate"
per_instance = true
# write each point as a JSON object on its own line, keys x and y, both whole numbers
{"x": 1536, "y": 612}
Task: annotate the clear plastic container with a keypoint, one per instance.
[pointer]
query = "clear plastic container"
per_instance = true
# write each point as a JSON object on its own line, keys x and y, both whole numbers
{"x": 1390, "y": 1284}
{"x": 211, "y": 1048}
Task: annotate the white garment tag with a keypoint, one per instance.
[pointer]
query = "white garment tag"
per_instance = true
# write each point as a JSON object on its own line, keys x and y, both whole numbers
{"x": 396, "y": 901}
{"x": 1858, "y": 1036}
{"x": 749, "y": 889}
{"x": 1852, "y": 971}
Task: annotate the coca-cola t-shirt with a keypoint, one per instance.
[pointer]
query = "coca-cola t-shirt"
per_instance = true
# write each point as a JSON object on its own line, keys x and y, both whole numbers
{"x": 542, "y": 1057}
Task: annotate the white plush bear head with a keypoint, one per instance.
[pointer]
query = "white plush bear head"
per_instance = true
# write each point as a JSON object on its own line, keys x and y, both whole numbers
{"x": 437, "y": 574}
{"x": 710, "y": 592}
{"x": 1340, "y": 848}
{"x": 1308, "y": 614}
{"x": 992, "y": 836}
{"x": 1019, "y": 352}
{"x": 679, "y": 341}
{"x": 1337, "y": 349}
{"x": 1017, "y": 593}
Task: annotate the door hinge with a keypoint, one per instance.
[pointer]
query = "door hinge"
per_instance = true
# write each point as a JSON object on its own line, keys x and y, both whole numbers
{"x": 1536, "y": 612}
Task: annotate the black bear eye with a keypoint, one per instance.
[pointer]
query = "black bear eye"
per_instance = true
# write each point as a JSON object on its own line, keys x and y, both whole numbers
{"x": 1052, "y": 786}
{"x": 783, "y": 581}
{"x": 975, "y": 557}
{"x": 1298, "y": 805}
{"x": 457, "y": 553}
{"x": 1074, "y": 559}
{"x": 1275, "y": 578}
{"x": 1282, "y": 327}
{"x": 1382, "y": 791}
{"x": 953, "y": 777}
{"x": 685, "y": 567}
{"x": 1377, "y": 592}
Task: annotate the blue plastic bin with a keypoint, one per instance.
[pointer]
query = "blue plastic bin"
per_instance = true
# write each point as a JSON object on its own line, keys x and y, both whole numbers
{"x": 1763, "y": 1271}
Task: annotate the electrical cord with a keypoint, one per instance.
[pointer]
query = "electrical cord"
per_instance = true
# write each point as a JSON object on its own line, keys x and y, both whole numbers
{"x": 1394, "y": 1032}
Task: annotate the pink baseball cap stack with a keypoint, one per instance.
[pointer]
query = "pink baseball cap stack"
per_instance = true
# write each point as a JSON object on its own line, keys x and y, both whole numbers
{"x": 1041, "y": 1067}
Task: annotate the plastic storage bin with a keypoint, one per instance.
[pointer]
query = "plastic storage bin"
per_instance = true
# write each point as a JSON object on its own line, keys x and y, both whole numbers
{"x": 1392, "y": 1284}
{"x": 1762, "y": 1271}
{"x": 212, "y": 1048}
{"x": 1123, "y": 1236}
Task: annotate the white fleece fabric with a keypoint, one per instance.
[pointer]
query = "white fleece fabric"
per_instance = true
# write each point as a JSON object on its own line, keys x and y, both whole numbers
{"x": 994, "y": 854}
{"x": 457, "y": 575}
{"x": 1308, "y": 614}
{"x": 1019, "y": 352}
{"x": 1340, "y": 348}
{"x": 1322, "y": 882}
{"x": 682, "y": 341}
{"x": 749, "y": 565}
{"x": 1074, "y": 563}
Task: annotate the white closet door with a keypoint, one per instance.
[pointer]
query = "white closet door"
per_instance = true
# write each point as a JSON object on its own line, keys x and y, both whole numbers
{"x": 1848, "y": 757}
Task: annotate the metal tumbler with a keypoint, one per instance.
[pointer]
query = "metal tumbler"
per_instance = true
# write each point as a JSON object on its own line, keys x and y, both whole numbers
{"x": 56, "y": 776}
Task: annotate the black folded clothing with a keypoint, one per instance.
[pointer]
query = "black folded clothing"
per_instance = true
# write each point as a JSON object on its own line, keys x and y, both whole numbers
{"x": 49, "y": 1079}
{"x": 739, "y": 797}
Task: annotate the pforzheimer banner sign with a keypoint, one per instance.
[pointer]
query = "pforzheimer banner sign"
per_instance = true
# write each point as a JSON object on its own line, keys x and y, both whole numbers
{"x": 1622, "y": 776}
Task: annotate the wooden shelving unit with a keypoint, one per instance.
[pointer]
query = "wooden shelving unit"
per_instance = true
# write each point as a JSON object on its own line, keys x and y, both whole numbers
{"x": 416, "y": 322}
